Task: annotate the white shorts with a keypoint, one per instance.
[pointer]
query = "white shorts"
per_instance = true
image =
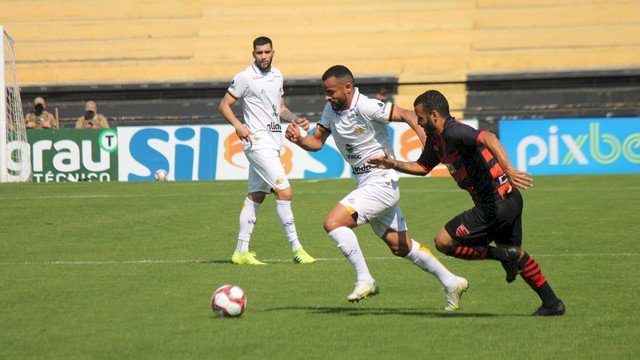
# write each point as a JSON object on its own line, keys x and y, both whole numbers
{"x": 377, "y": 204}
{"x": 266, "y": 172}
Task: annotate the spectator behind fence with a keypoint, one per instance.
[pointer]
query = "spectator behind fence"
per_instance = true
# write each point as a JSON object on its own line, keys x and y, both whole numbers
{"x": 40, "y": 118}
{"x": 91, "y": 118}
{"x": 384, "y": 96}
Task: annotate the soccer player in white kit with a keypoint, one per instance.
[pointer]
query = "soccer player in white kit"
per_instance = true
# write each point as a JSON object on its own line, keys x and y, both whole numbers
{"x": 359, "y": 127}
{"x": 260, "y": 86}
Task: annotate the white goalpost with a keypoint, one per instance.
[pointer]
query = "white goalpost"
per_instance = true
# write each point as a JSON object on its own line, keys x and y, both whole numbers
{"x": 15, "y": 157}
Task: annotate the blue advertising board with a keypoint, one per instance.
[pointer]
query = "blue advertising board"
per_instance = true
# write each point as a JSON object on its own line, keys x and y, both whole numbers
{"x": 573, "y": 146}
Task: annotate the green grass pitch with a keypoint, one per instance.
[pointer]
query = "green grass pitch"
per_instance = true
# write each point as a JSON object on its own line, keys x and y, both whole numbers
{"x": 126, "y": 270}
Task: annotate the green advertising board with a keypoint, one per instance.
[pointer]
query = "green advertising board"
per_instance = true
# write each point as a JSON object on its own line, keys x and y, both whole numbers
{"x": 74, "y": 155}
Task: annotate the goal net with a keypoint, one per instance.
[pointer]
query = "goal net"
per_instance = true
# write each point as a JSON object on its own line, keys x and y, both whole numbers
{"x": 15, "y": 157}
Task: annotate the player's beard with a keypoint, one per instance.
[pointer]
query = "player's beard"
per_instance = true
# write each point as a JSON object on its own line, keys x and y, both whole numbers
{"x": 338, "y": 105}
{"x": 430, "y": 128}
{"x": 264, "y": 66}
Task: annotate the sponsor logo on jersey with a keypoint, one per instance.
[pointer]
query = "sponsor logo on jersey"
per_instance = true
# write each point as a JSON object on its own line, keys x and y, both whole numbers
{"x": 357, "y": 170}
{"x": 274, "y": 127}
{"x": 350, "y": 155}
{"x": 359, "y": 130}
{"x": 349, "y": 148}
{"x": 279, "y": 181}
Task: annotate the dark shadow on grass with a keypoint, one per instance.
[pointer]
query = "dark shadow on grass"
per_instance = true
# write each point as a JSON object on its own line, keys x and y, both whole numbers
{"x": 214, "y": 261}
{"x": 353, "y": 311}
{"x": 228, "y": 262}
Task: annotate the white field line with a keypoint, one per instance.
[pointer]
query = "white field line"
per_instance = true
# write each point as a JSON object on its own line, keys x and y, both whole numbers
{"x": 205, "y": 261}
{"x": 300, "y": 192}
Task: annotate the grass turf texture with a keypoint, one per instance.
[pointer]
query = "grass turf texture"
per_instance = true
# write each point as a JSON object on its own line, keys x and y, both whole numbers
{"x": 125, "y": 270}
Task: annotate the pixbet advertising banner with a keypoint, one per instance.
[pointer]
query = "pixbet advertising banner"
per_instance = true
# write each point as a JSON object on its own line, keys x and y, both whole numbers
{"x": 73, "y": 155}
{"x": 211, "y": 152}
{"x": 573, "y": 146}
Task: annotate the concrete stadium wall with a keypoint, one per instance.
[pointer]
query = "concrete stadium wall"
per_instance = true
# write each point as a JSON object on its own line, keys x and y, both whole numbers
{"x": 438, "y": 41}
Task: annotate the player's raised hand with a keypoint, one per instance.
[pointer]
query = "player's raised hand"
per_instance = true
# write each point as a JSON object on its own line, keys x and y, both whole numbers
{"x": 382, "y": 162}
{"x": 304, "y": 124}
{"x": 520, "y": 179}
{"x": 292, "y": 133}
{"x": 244, "y": 133}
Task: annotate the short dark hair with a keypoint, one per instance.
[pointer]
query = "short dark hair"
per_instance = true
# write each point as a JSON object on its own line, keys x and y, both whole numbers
{"x": 339, "y": 72}
{"x": 262, "y": 40}
{"x": 433, "y": 100}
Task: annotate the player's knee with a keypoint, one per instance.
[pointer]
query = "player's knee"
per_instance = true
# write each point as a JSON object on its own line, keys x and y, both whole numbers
{"x": 443, "y": 242}
{"x": 329, "y": 224}
{"x": 257, "y": 197}
{"x": 285, "y": 194}
{"x": 441, "y": 245}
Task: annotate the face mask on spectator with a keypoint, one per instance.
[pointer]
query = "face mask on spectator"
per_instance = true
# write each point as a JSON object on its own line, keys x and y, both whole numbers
{"x": 89, "y": 115}
{"x": 39, "y": 108}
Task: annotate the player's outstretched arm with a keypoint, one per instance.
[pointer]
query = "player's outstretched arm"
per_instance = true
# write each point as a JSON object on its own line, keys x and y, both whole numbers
{"x": 403, "y": 115}
{"x": 288, "y": 116}
{"x": 517, "y": 178}
{"x": 311, "y": 142}
{"x": 387, "y": 162}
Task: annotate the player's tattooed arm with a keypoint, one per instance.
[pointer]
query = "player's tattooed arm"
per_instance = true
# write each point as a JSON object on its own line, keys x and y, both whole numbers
{"x": 287, "y": 115}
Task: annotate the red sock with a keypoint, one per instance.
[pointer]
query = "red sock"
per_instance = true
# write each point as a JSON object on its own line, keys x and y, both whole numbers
{"x": 532, "y": 274}
{"x": 530, "y": 271}
{"x": 468, "y": 252}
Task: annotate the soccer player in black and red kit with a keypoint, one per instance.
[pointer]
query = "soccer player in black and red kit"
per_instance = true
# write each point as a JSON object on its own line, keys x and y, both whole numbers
{"x": 480, "y": 165}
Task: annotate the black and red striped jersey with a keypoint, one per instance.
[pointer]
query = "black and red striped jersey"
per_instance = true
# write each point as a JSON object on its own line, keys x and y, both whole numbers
{"x": 470, "y": 164}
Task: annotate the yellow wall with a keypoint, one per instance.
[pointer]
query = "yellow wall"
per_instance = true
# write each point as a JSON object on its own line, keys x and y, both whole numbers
{"x": 101, "y": 41}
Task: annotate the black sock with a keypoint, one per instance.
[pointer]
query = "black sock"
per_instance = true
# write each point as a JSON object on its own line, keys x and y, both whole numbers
{"x": 500, "y": 254}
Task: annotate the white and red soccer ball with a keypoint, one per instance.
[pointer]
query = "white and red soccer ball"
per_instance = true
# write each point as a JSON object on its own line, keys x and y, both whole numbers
{"x": 228, "y": 301}
{"x": 161, "y": 175}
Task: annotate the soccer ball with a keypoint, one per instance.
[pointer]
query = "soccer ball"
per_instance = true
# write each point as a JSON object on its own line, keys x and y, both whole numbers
{"x": 161, "y": 175}
{"x": 228, "y": 301}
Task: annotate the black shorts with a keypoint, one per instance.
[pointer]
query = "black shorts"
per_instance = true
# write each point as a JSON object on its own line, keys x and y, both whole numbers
{"x": 500, "y": 222}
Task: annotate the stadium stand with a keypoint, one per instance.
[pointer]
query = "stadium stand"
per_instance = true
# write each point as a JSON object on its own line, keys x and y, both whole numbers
{"x": 422, "y": 44}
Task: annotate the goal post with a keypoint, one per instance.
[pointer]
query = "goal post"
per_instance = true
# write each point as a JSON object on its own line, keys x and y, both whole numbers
{"x": 15, "y": 157}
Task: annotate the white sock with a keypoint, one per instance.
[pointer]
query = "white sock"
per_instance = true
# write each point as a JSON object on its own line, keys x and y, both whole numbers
{"x": 422, "y": 257}
{"x": 247, "y": 221}
{"x": 347, "y": 242}
{"x": 283, "y": 208}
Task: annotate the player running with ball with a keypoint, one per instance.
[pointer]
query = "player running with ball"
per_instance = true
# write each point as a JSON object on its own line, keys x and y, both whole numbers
{"x": 359, "y": 127}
